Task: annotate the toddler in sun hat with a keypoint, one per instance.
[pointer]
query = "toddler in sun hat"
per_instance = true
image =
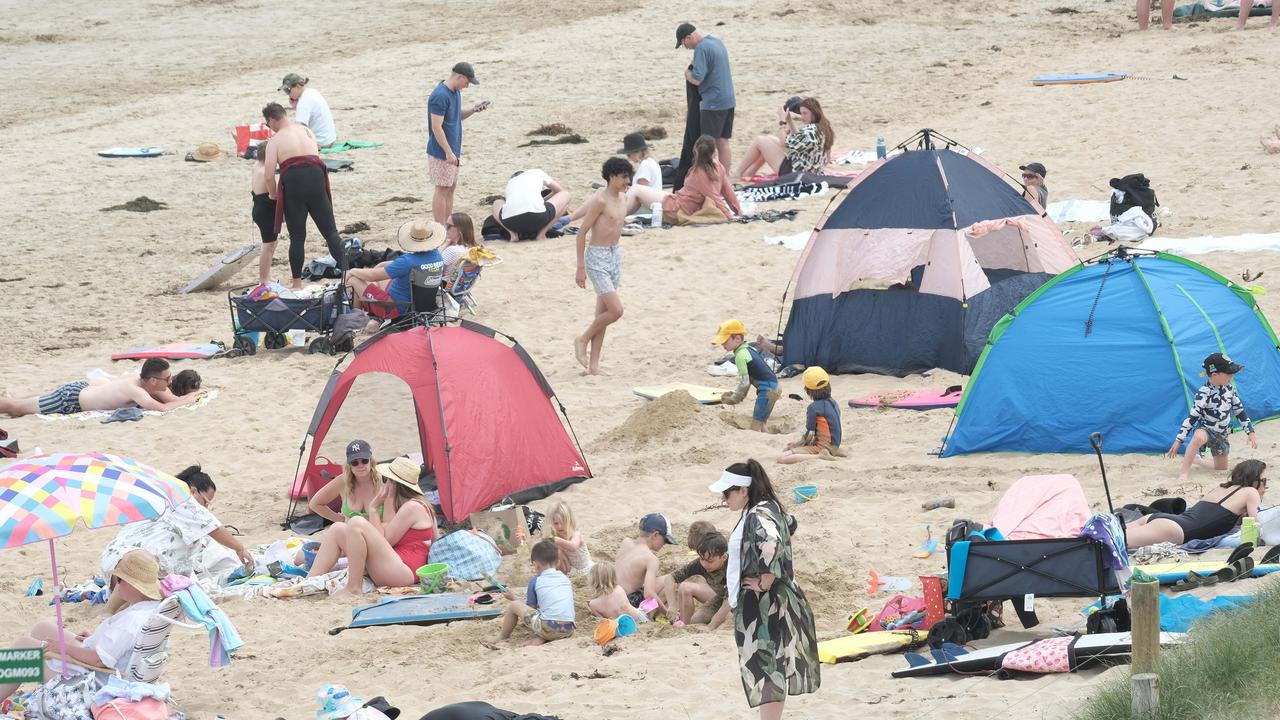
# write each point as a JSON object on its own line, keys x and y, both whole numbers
{"x": 336, "y": 703}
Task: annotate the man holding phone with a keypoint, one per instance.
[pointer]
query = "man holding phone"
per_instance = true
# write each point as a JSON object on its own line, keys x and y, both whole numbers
{"x": 444, "y": 141}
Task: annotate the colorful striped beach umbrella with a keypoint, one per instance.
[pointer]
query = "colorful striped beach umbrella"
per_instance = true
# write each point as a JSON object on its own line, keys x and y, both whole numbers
{"x": 47, "y": 496}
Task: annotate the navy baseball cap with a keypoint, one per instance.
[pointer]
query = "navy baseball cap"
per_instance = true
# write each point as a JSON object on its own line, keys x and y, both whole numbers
{"x": 656, "y": 522}
{"x": 358, "y": 450}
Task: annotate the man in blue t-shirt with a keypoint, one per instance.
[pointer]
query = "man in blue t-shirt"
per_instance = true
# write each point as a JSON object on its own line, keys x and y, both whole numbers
{"x": 444, "y": 141}
{"x": 710, "y": 72}
{"x": 384, "y": 291}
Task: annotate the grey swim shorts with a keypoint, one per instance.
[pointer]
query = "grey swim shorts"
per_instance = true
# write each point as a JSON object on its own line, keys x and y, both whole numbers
{"x": 604, "y": 267}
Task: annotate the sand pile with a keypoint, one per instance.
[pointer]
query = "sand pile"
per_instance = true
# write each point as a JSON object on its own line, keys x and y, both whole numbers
{"x": 655, "y": 421}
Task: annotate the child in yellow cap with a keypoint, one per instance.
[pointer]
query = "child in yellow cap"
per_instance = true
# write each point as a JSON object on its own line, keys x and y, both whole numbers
{"x": 822, "y": 422}
{"x": 752, "y": 370}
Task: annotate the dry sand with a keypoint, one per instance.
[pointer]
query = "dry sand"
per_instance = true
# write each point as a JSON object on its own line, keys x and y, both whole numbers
{"x": 79, "y": 284}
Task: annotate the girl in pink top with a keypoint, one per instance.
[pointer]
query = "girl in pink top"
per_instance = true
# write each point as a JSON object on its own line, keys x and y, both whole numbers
{"x": 707, "y": 179}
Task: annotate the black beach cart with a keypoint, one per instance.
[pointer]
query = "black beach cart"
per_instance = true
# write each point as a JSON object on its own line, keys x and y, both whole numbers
{"x": 279, "y": 315}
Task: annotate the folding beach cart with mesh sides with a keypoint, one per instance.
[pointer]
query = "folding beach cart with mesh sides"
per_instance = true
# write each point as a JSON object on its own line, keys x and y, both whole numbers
{"x": 278, "y": 315}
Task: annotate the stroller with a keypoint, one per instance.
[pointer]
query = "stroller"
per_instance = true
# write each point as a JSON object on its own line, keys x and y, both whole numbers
{"x": 278, "y": 315}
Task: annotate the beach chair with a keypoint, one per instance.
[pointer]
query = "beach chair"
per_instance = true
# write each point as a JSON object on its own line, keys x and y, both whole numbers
{"x": 457, "y": 289}
{"x": 149, "y": 652}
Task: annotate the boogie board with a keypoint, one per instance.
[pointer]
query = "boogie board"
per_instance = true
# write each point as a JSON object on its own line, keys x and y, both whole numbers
{"x": 989, "y": 659}
{"x": 917, "y": 400}
{"x": 856, "y": 647}
{"x": 123, "y": 152}
{"x": 224, "y": 269}
{"x": 421, "y": 610}
{"x": 1077, "y": 78}
{"x": 1170, "y": 573}
{"x": 172, "y": 351}
{"x": 702, "y": 393}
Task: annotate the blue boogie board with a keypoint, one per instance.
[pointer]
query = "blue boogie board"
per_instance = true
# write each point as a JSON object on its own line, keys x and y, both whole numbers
{"x": 121, "y": 152}
{"x": 1077, "y": 78}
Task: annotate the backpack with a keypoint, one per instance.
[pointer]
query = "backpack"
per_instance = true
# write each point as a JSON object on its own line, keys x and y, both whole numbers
{"x": 1133, "y": 191}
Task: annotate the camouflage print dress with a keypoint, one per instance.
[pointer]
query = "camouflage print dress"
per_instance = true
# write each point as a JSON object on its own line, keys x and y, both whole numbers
{"x": 777, "y": 645}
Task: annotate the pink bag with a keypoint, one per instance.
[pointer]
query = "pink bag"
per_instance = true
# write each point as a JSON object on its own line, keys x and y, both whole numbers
{"x": 898, "y": 608}
{"x": 1052, "y": 655}
{"x": 121, "y": 709}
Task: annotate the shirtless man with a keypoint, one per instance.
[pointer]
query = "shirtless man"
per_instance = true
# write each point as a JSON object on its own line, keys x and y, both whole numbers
{"x": 264, "y": 213}
{"x": 303, "y": 190}
{"x": 602, "y": 260}
{"x": 637, "y": 563}
{"x": 149, "y": 391}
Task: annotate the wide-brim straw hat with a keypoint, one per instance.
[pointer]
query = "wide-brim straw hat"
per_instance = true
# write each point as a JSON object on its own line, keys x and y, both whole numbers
{"x": 141, "y": 570}
{"x": 419, "y": 235}
{"x": 207, "y": 151}
{"x": 404, "y": 471}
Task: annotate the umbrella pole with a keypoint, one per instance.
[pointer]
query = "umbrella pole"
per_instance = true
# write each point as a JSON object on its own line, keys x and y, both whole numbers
{"x": 57, "y": 604}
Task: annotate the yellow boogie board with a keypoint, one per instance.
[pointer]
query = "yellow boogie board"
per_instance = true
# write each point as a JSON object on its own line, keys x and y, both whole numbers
{"x": 1169, "y": 573}
{"x": 856, "y": 647}
{"x": 702, "y": 393}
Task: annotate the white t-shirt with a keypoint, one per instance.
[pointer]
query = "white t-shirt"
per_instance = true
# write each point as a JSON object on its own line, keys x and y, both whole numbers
{"x": 650, "y": 171}
{"x": 733, "y": 568}
{"x": 524, "y": 193}
{"x": 313, "y": 112}
{"x": 555, "y": 596}
{"x": 115, "y": 637}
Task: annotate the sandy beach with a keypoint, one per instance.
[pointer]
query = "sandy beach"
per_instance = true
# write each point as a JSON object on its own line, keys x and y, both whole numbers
{"x": 78, "y": 284}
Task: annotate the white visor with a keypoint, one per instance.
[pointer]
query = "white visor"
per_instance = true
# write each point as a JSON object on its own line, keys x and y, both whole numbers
{"x": 729, "y": 480}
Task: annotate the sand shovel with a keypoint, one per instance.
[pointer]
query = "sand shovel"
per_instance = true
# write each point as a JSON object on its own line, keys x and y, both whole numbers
{"x": 928, "y": 546}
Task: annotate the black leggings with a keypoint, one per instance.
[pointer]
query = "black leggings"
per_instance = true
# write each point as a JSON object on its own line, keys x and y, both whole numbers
{"x": 304, "y": 194}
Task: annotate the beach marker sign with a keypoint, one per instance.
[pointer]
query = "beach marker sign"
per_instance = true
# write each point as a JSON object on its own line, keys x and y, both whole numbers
{"x": 22, "y": 665}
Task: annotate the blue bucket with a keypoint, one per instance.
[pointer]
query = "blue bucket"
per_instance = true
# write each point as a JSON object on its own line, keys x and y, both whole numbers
{"x": 309, "y": 550}
{"x": 805, "y": 493}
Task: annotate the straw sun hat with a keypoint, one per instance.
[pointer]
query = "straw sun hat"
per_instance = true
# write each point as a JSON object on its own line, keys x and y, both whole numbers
{"x": 206, "y": 152}
{"x": 420, "y": 235}
{"x": 404, "y": 471}
{"x": 140, "y": 569}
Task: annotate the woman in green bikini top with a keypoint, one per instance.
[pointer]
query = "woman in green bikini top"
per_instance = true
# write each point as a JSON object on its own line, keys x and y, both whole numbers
{"x": 357, "y": 486}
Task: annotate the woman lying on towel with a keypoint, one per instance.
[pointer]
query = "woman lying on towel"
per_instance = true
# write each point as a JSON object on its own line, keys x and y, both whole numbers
{"x": 1215, "y": 515}
{"x": 180, "y": 539}
{"x": 795, "y": 148}
{"x": 391, "y": 553}
{"x": 135, "y": 590}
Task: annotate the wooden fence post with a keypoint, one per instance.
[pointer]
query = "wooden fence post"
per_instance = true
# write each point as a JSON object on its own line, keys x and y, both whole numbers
{"x": 1144, "y": 607}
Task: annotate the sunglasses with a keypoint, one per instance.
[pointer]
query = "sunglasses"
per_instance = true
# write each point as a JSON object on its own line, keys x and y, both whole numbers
{"x": 1029, "y": 176}
{"x": 359, "y": 461}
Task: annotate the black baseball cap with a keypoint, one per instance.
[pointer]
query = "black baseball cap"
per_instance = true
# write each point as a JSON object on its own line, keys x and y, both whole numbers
{"x": 656, "y": 522}
{"x": 466, "y": 71}
{"x": 1220, "y": 363}
{"x": 682, "y": 32}
{"x": 1036, "y": 168}
{"x": 792, "y": 105}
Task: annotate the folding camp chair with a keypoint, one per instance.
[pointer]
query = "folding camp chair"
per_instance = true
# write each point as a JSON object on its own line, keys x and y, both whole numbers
{"x": 457, "y": 289}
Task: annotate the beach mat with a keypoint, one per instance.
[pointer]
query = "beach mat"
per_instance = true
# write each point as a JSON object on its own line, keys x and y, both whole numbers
{"x": 856, "y": 647}
{"x": 335, "y": 165}
{"x": 1077, "y": 78}
{"x": 911, "y": 400}
{"x": 702, "y": 393}
{"x": 421, "y": 610}
{"x": 172, "y": 351}
{"x": 224, "y": 269}
{"x": 989, "y": 659}
{"x": 100, "y": 415}
{"x": 125, "y": 152}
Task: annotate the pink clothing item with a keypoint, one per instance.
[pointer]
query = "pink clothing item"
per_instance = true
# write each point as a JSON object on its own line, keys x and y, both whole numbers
{"x": 697, "y": 188}
{"x": 174, "y": 583}
{"x": 1042, "y": 506}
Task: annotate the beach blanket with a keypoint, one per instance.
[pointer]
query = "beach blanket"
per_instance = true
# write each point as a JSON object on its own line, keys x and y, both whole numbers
{"x": 1178, "y": 614}
{"x": 1252, "y": 242}
{"x": 297, "y": 587}
{"x": 1079, "y": 211}
{"x": 784, "y": 191}
{"x": 1220, "y": 8}
{"x": 101, "y": 415}
{"x": 345, "y": 145}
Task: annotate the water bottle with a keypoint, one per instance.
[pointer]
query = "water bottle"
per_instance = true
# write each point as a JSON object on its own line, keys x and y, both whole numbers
{"x": 655, "y": 220}
{"x": 1249, "y": 531}
{"x": 881, "y": 151}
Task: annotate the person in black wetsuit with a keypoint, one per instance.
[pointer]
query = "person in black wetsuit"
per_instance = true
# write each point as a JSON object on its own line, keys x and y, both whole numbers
{"x": 1215, "y": 515}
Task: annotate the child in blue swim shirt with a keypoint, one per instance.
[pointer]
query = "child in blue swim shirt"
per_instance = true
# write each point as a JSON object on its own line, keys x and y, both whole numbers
{"x": 752, "y": 371}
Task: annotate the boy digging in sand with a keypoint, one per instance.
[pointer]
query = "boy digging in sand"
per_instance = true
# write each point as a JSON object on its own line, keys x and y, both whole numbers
{"x": 601, "y": 260}
{"x": 636, "y": 563}
{"x": 1210, "y": 415}
{"x": 752, "y": 370}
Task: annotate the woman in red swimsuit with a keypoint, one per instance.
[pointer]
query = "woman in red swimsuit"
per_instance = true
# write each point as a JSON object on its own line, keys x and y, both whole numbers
{"x": 389, "y": 551}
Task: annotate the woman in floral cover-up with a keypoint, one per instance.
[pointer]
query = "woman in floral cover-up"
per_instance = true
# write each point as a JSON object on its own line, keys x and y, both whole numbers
{"x": 773, "y": 625}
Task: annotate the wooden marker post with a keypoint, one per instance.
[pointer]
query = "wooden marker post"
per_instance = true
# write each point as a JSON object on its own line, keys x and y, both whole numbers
{"x": 1144, "y": 606}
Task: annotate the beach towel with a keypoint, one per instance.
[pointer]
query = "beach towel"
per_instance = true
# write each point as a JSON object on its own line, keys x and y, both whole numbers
{"x": 1179, "y": 613}
{"x": 223, "y": 638}
{"x": 791, "y": 242}
{"x": 785, "y": 191}
{"x": 1251, "y": 242}
{"x": 1220, "y": 8}
{"x": 1079, "y": 211}
{"x": 345, "y": 145}
{"x": 101, "y": 415}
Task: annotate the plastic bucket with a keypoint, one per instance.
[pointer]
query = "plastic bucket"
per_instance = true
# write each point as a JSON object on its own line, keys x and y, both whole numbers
{"x": 805, "y": 493}
{"x": 431, "y": 577}
{"x": 309, "y": 550}
{"x": 626, "y": 625}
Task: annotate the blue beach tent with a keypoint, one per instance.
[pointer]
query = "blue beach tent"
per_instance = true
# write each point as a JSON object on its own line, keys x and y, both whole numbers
{"x": 1114, "y": 346}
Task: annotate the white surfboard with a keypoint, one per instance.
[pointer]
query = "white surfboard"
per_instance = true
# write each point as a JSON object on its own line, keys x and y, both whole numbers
{"x": 224, "y": 269}
{"x": 988, "y": 659}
